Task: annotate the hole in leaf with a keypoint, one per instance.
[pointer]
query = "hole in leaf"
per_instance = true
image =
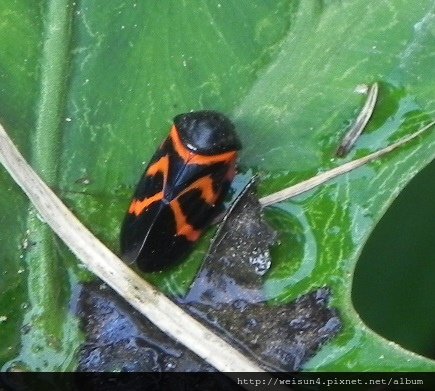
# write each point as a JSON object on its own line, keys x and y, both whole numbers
{"x": 393, "y": 288}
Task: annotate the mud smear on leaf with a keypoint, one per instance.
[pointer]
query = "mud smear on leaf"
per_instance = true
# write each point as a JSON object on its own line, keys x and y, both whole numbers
{"x": 228, "y": 296}
{"x": 118, "y": 338}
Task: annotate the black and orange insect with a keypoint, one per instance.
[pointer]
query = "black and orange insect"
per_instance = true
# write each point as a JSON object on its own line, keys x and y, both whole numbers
{"x": 181, "y": 191}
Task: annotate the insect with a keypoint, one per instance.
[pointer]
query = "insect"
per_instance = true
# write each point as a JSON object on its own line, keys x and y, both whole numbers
{"x": 181, "y": 190}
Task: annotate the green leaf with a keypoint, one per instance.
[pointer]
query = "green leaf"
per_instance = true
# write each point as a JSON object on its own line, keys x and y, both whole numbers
{"x": 88, "y": 92}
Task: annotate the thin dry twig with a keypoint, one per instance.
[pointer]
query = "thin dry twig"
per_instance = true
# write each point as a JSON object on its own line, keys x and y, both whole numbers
{"x": 313, "y": 182}
{"x": 166, "y": 315}
{"x": 360, "y": 123}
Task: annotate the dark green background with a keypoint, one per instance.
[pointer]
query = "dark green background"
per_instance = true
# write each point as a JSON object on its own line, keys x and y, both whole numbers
{"x": 394, "y": 289}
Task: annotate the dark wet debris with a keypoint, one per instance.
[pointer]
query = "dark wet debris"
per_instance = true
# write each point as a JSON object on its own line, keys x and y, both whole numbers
{"x": 118, "y": 338}
{"x": 281, "y": 337}
{"x": 227, "y": 296}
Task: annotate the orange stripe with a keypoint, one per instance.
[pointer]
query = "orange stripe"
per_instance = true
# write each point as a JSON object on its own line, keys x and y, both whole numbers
{"x": 183, "y": 227}
{"x": 222, "y": 158}
{"x": 205, "y": 185}
{"x": 190, "y": 157}
{"x": 181, "y": 150}
{"x": 162, "y": 166}
{"x": 137, "y": 207}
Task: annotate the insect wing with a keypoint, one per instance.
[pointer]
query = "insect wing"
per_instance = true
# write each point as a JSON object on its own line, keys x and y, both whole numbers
{"x": 180, "y": 222}
{"x": 145, "y": 205}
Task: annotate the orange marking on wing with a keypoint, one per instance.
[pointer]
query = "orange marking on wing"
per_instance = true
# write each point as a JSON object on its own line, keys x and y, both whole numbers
{"x": 183, "y": 227}
{"x": 137, "y": 206}
{"x": 205, "y": 186}
{"x": 162, "y": 166}
{"x": 179, "y": 147}
{"x": 190, "y": 157}
{"x": 221, "y": 158}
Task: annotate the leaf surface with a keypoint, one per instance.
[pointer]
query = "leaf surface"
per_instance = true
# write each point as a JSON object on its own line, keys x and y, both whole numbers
{"x": 89, "y": 91}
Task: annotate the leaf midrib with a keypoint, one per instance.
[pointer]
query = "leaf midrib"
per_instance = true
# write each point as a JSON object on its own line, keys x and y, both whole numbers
{"x": 43, "y": 265}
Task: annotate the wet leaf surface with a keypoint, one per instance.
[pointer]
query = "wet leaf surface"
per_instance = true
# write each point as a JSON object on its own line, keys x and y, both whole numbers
{"x": 88, "y": 92}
